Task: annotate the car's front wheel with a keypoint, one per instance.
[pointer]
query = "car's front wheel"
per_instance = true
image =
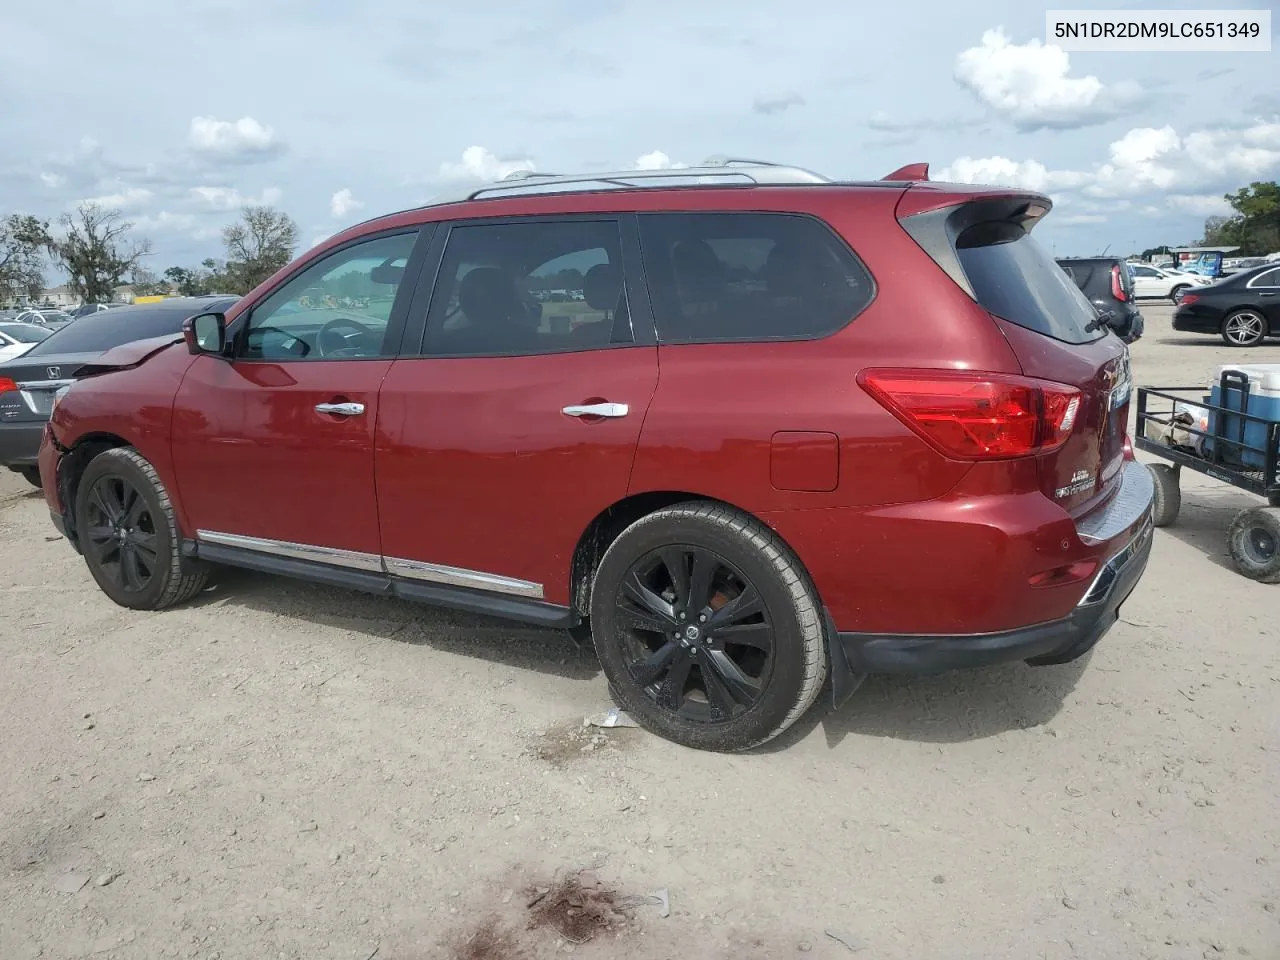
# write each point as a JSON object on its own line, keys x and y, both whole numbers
{"x": 1244, "y": 328}
{"x": 129, "y": 535}
{"x": 707, "y": 627}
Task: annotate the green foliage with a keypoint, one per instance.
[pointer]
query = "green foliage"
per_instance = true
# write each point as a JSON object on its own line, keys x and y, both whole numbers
{"x": 1255, "y": 226}
{"x": 97, "y": 251}
{"x": 23, "y": 240}
{"x": 259, "y": 245}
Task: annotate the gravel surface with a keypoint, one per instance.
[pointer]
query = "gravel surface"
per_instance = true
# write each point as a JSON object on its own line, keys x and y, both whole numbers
{"x": 278, "y": 770}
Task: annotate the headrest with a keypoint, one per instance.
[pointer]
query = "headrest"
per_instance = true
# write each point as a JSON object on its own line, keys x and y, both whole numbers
{"x": 602, "y": 286}
{"x": 488, "y": 295}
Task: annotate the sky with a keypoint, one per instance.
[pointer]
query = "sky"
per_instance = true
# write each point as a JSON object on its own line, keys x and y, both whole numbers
{"x": 180, "y": 114}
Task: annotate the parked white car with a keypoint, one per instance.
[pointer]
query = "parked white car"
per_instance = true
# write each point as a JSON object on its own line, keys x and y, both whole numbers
{"x": 17, "y": 338}
{"x": 1154, "y": 283}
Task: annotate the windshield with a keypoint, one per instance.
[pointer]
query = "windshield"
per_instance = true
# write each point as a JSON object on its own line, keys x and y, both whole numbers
{"x": 110, "y": 328}
{"x": 24, "y": 332}
{"x": 1016, "y": 279}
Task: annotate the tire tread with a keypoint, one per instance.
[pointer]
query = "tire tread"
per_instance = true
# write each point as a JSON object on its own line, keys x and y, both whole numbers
{"x": 793, "y": 575}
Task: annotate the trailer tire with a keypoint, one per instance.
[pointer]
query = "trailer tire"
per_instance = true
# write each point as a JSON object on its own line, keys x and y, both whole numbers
{"x": 1167, "y": 499}
{"x": 1254, "y": 542}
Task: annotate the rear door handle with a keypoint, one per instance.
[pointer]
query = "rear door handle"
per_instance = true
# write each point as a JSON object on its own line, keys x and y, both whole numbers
{"x": 597, "y": 410}
{"x": 341, "y": 409}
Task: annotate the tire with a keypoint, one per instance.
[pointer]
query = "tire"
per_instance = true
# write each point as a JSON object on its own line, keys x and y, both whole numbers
{"x": 1176, "y": 293}
{"x": 121, "y": 483}
{"x": 705, "y": 690}
{"x": 1244, "y": 328}
{"x": 1254, "y": 543}
{"x": 1168, "y": 495}
{"x": 31, "y": 475}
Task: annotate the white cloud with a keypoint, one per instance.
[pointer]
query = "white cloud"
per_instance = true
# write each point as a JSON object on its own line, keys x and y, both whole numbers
{"x": 52, "y": 180}
{"x": 243, "y": 137}
{"x": 318, "y": 239}
{"x": 479, "y": 164}
{"x": 657, "y": 160}
{"x": 1202, "y": 205}
{"x": 1001, "y": 171}
{"x": 129, "y": 198}
{"x": 1030, "y": 84}
{"x": 229, "y": 198}
{"x": 1187, "y": 174}
{"x": 343, "y": 203}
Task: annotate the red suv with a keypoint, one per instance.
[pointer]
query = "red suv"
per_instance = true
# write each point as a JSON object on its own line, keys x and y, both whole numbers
{"x": 744, "y": 427}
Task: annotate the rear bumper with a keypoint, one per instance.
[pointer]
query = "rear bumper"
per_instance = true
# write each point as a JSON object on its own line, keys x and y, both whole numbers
{"x": 20, "y": 442}
{"x": 1186, "y": 319}
{"x": 1056, "y": 641}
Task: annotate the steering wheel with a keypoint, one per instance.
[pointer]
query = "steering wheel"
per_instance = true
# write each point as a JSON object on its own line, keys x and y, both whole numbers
{"x": 350, "y": 344}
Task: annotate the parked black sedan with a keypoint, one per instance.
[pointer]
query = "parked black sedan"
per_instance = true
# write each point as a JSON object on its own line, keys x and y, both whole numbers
{"x": 28, "y": 382}
{"x": 1243, "y": 308}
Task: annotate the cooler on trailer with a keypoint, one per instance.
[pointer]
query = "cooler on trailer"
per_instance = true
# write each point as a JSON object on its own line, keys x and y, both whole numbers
{"x": 1253, "y": 389}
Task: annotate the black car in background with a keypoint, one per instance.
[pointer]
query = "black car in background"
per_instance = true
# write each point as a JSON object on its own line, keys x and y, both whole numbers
{"x": 1243, "y": 308}
{"x": 1108, "y": 284}
{"x": 28, "y": 382}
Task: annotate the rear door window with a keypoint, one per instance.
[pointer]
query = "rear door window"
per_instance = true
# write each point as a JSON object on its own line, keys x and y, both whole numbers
{"x": 1016, "y": 279}
{"x": 721, "y": 277}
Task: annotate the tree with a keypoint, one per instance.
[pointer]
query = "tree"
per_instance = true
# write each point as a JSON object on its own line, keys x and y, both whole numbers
{"x": 147, "y": 284}
{"x": 97, "y": 252}
{"x": 1255, "y": 227}
{"x": 258, "y": 246}
{"x": 23, "y": 239}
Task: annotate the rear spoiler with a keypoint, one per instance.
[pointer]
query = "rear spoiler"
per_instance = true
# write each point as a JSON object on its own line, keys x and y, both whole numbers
{"x": 912, "y": 171}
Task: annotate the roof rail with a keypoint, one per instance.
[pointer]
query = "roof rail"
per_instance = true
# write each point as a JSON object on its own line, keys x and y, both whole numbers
{"x": 715, "y": 171}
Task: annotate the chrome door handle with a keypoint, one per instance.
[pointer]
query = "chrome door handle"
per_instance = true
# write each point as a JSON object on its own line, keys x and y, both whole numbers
{"x": 597, "y": 410}
{"x": 341, "y": 409}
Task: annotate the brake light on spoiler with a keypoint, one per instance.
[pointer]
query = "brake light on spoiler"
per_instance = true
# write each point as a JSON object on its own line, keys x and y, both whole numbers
{"x": 969, "y": 415}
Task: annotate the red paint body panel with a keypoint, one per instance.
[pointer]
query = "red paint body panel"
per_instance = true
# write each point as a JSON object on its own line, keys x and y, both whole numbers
{"x": 804, "y": 460}
{"x": 134, "y": 405}
{"x": 479, "y": 469}
{"x": 253, "y": 457}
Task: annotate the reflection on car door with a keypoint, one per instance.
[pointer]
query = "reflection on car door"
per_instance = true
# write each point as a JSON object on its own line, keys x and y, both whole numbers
{"x": 519, "y": 423}
{"x": 273, "y": 448}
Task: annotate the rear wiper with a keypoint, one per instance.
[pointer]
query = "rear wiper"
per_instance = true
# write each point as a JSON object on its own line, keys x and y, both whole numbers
{"x": 1103, "y": 319}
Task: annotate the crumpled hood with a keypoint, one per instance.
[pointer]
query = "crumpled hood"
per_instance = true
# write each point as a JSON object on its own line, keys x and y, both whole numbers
{"x": 129, "y": 354}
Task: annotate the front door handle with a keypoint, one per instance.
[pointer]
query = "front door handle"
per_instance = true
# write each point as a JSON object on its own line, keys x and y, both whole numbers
{"x": 597, "y": 410}
{"x": 341, "y": 409}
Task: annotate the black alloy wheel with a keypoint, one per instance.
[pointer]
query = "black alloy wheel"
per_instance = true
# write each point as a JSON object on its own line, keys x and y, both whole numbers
{"x": 121, "y": 534}
{"x": 697, "y": 635}
{"x": 708, "y": 627}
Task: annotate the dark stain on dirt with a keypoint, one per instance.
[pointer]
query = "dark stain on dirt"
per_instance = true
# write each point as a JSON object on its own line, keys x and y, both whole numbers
{"x": 490, "y": 940}
{"x": 566, "y": 743}
{"x": 577, "y": 907}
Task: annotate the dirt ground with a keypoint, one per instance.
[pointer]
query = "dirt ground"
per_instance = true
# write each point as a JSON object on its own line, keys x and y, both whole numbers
{"x": 286, "y": 771}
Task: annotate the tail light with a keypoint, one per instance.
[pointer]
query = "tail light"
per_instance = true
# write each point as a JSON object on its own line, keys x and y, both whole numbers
{"x": 1188, "y": 298}
{"x": 7, "y": 385}
{"x": 1117, "y": 286}
{"x": 977, "y": 416}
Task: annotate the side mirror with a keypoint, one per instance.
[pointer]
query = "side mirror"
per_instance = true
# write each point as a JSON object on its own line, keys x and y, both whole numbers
{"x": 206, "y": 333}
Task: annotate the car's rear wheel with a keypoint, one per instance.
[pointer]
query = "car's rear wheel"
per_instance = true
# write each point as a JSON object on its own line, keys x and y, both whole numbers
{"x": 129, "y": 534}
{"x": 1244, "y": 328}
{"x": 1176, "y": 293}
{"x": 31, "y": 475}
{"x": 707, "y": 628}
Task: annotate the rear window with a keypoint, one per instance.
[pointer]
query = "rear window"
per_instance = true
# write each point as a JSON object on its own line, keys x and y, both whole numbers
{"x": 24, "y": 332}
{"x": 110, "y": 328}
{"x": 1016, "y": 279}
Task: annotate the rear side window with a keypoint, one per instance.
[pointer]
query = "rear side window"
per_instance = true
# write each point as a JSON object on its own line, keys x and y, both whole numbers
{"x": 1013, "y": 277}
{"x": 721, "y": 277}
